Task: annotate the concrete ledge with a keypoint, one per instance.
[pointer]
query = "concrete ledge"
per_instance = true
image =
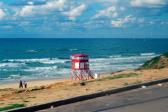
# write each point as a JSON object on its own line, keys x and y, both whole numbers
{"x": 86, "y": 97}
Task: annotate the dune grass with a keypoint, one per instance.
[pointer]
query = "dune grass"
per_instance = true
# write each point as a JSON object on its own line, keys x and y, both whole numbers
{"x": 123, "y": 76}
{"x": 155, "y": 63}
{"x": 11, "y": 106}
{"x": 119, "y": 76}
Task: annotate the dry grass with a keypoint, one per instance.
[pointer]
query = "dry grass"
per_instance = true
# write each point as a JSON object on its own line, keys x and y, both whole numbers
{"x": 67, "y": 89}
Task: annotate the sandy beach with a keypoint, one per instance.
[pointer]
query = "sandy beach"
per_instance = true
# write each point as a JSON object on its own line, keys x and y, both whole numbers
{"x": 31, "y": 83}
{"x": 51, "y": 90}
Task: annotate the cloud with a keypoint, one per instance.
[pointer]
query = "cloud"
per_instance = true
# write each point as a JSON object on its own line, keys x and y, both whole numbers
{"x": 109, "y": 1}
{"x": 30, "y": 3}
{"x": 2, "y": 14}
{"x": 40, "y": 9}
{"x": 121, "y": 21}
{"x": 55, "y": 4}
{"x": 94, "y": 14}
{"x": 147, "y": 3}
{"x": 110, "y": 12}
{"x": 75, "y": 12}
{"x": 26, "y": 10}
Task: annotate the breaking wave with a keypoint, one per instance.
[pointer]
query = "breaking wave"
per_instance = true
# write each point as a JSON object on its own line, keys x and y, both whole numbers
{"x": 13, "y": 69}
{"x": 147, "y": 54}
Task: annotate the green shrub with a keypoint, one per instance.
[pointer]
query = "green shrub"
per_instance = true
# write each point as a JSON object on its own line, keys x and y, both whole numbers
{"x": 11, "y": 106}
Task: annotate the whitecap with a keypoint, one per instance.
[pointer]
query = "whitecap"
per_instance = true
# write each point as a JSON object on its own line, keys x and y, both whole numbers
{"x": 10, "y": 65}
{"x": 31, "y": 51}
{"x": 42, "y": 60}
{"x": 73, "y": 49}
{"x": 40, "y": 69}
{"x": 147, "y": 54}
{"x": 54, "y": 61}
{"x": 15, "y": 76}
{"x": 55, "y": 67}
{"x": 115, "y": 63}
{"x": 115, "y": 56}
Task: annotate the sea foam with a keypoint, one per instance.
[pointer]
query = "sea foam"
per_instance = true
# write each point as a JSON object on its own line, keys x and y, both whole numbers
{"x": 55, "y": 67}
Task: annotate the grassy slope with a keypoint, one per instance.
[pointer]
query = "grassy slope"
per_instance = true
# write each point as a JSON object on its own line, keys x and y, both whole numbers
{"x": 156, "y": 63}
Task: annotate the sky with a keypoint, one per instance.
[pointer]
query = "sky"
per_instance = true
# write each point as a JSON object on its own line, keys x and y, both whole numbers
{"x": 83, "y": 18}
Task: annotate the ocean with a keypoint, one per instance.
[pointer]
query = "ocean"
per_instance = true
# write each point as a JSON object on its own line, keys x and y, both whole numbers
{"x": 38, "y": 58}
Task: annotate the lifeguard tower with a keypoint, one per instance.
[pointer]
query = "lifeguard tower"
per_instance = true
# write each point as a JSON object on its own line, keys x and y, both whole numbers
{"x": 80, "y": 67}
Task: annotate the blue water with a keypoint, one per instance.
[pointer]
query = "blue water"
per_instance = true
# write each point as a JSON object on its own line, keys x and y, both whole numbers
{"x": 49, "y": 58}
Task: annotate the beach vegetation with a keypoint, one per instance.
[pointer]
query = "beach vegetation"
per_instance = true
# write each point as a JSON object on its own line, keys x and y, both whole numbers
{"x": 25, "y": 101}
{"x": 124, "y": 76}
{"x": 37, "y": 88}
{"x": 119, "y": 76}
{"x": 19, "y": 90}
{"x": 11, "y": 106}
{"x": 31, "y": 97}
{"x": 1, "y": 103}
{"x": 138, "y": 82}
{"x": 126, "y": 84}
{"x": 158, "y": 62}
